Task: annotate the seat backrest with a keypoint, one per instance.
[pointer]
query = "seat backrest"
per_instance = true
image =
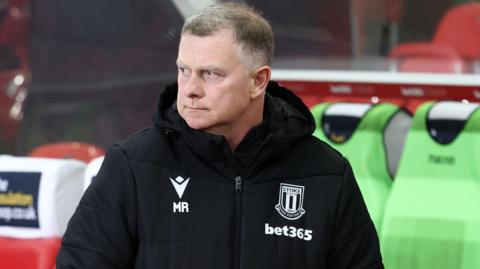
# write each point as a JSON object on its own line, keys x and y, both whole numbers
{"x": 29, "y": 253}
{"x": 460, "y": 29}
{"x": 68, "y": 150}
{"x": 37, "y": 195}
{"x": 37, "y": 198}
{"x": 441, "y": 129}
{"x": 371, "y": 137}
{"x": 431, "y": 219}
{"x": 428, "y": 57}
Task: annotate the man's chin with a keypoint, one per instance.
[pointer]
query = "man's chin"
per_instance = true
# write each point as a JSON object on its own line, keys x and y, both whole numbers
{"x": 197, "y": 125}
{"x": 203, "y": 126}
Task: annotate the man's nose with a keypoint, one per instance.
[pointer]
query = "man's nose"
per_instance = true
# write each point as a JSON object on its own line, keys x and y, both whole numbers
{"x": 193, "y": 87}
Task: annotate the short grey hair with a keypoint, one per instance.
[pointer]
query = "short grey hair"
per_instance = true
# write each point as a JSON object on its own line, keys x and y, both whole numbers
{"x": 252, "y": 32}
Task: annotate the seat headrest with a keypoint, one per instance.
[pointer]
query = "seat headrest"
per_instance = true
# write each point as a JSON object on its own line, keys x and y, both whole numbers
{"x": 341, "y": 119}
{"x": 446, "y": 120}
{"x": 449, "y": 110}
{"x": 348, "y": 109}
{"x": 37, "y": 195}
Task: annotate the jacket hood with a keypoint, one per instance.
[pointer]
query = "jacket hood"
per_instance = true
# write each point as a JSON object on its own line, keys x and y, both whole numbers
{"x": 288, "y": 119}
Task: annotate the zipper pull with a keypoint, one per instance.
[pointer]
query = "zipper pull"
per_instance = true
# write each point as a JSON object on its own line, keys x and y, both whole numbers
{"x": 238, "y": 184}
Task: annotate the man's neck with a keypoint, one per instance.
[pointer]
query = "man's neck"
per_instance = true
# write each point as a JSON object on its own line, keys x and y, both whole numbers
{"x": 235, "y": 136}
{"x": 235, "y": 133}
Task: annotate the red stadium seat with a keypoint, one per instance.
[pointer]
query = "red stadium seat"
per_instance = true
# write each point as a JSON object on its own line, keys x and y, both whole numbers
{"x": 460, "y": 28}
{"x": 28, "y": 254}
{"x": 73, "y": 150}
{"x": 31, "y": 230}
{"x": 428, "y": 57}
{"x": 455, "y": 47}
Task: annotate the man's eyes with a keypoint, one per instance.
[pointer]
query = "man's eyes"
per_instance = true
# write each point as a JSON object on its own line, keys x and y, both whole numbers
{"x": 211, "y": 75}
{"x": 182, "y": 69}
{"x": 206, "y": 74}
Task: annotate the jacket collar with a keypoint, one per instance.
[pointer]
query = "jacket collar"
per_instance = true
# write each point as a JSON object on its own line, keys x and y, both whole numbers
{"x": 286, "y": 119}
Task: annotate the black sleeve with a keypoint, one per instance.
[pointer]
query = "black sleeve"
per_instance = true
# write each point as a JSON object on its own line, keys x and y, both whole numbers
{"x": 102, "y": 231}
{"x": 355, "y": 244}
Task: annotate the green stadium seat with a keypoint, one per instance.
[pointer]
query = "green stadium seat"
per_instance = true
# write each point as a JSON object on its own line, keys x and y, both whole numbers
{"x": 371, "y": 137}
{"x": 432, "y": 217}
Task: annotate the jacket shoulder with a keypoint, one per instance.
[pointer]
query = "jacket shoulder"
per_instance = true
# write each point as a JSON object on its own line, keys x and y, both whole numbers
{"x": 321, "y": 158}
{"x": 146, "y": 145}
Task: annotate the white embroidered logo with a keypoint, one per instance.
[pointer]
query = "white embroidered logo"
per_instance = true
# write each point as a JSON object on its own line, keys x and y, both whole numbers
{"x": 180, "y": 184}
{"x": 290, "y": 201}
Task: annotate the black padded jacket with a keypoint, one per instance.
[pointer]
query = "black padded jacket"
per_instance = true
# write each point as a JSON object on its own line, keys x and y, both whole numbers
{"x": 172, "y": 197}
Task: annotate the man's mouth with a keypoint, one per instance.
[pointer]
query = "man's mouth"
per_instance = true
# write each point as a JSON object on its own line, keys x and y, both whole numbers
{"x": 196, "y": 108}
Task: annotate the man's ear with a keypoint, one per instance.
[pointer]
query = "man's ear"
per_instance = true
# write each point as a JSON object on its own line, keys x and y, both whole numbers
{"x": 261, "y": 77}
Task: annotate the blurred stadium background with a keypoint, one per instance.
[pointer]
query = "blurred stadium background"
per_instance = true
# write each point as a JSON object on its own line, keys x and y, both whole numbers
{"x": 392, "y": 84}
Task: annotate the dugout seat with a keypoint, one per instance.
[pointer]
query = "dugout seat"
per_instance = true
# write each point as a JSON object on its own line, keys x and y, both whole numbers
{"x": 371, "y": 137}
{"x": 37, "y": 198}
{"x": 28, "y": 253}
{"x": 455, "y": 47}
{"x": 68, "y": 150}
{"x": 432, "y": 218}
{"x": 460, "y": 29}
{"x": 427, "y": 57}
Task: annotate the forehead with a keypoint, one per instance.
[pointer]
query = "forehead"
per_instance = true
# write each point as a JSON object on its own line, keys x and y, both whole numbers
{"x": 221, "y": 46}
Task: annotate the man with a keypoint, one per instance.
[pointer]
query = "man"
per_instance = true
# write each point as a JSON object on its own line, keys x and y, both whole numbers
{"x": 229, "y": 176}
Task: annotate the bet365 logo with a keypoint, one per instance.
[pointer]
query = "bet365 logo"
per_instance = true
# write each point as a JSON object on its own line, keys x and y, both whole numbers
{"x": 289, "y": 231}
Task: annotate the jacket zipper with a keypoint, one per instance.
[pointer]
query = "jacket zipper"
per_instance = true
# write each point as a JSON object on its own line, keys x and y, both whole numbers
{"x": 238, "y": 210}
{"x": 238, "y": 221}
{"x": 238, "y": 184}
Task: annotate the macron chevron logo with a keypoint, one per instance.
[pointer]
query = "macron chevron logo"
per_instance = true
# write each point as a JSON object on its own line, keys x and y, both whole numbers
{"x": 180, "y": 184}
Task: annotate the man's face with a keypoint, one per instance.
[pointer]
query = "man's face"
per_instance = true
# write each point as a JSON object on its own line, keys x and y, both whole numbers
{"x": 214, "y": 84}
